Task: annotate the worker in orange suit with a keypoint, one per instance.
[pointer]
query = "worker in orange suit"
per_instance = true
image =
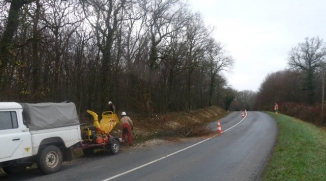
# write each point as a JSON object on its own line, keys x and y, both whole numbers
{"x": 276, "y": 108}
{"x": 126, "y": 127}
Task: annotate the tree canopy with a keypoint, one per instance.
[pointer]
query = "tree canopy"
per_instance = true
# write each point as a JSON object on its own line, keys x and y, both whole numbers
{"x": 144, "y": 56}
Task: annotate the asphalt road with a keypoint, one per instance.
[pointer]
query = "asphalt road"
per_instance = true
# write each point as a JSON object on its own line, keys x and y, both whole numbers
{"x": 239, "y": 154}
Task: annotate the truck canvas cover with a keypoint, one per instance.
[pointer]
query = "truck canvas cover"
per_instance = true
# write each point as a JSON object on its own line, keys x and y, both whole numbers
{"x": 49, "y": 115}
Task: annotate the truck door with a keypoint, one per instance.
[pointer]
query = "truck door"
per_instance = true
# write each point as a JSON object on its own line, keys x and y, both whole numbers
{"x": 15, "y": 142}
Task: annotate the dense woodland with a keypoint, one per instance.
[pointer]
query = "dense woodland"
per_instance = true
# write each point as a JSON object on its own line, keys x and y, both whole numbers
{"x": 144, "y": 56}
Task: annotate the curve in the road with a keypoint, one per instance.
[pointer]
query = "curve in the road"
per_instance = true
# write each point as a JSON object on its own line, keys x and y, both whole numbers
{"x": 164, "y": 157}
{"x": 245, "y": 115}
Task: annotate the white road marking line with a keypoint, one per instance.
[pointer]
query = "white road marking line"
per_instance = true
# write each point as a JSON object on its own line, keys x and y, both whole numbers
{"x": 149, "y": 163}
{"x": 157, "y": 160}
{"x": 236, "y": 124}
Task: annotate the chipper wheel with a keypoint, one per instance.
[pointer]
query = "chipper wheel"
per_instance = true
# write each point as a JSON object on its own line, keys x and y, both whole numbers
{"x": 114, "y": 146}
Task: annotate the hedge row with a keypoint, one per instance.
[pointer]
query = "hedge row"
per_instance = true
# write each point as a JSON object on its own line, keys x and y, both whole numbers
{"x": 312, "y": 114}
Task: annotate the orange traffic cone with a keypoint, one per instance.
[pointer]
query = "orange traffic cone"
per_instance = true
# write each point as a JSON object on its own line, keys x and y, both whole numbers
{"x": 219, "y": 128}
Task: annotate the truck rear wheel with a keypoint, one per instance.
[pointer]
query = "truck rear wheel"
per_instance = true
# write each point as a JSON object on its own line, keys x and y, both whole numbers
{"x": 50, "y": 159}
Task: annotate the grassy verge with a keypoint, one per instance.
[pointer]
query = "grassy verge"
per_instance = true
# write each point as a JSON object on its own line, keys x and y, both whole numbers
{"x": 300, "y": 152}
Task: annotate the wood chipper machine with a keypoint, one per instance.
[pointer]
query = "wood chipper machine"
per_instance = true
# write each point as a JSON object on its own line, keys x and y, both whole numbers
{"x": 98, "y": 135}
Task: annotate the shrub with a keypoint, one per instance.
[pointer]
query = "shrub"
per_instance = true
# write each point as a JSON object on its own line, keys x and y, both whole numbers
{"x": 308, "y": 113}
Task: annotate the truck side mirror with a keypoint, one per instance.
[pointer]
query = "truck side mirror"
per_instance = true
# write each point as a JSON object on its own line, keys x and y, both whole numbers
{"x": 25, "y": 122}
{"x": 24, "y": 119}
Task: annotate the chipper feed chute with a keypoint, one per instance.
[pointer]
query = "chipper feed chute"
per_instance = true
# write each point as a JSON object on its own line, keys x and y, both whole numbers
{"x": 107, "y": 123}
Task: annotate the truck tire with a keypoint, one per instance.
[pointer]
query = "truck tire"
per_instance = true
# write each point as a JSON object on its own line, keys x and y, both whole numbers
{"x": 50, "y": 159}
{"x": 114, "y": 147}
{"x": 10, "y": 170}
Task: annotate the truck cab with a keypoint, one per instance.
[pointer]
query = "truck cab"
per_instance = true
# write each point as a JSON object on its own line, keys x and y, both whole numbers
{"x": 14, "y": 135}
{"x": 42, "y": 133}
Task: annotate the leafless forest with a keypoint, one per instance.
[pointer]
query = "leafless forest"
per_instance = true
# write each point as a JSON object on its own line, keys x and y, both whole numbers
{"x": 144, "y": 55}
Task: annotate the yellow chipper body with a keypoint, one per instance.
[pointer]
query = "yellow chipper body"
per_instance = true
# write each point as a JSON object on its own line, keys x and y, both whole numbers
{"x": 101, "y": 129}
{"x": 98, "y": 136}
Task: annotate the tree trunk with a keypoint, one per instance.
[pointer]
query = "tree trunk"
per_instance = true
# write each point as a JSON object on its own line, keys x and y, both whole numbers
{"x": 36, "y": 60}
{"x": 6, "y": 40}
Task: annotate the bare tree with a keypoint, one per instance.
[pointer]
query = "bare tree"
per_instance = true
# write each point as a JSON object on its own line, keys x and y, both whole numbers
{"x": 229, "y": 96}
{"x": 307, "y": 57}
{"x": 195, "y": 43}
{"x": 172, "y": 67}
{"x": 218, "y": 60}
{"x": 6, "y": 45}
{"x": 104, "y": 17}
{"x": 161, "y": 17}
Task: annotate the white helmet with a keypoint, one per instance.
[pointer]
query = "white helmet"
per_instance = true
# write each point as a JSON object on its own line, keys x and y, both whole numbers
{"x": 123, "y": 114}
{"x": 110, "y": 102}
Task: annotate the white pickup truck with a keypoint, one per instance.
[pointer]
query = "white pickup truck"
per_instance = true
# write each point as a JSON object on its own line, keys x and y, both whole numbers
{"x": 42, "y": 133}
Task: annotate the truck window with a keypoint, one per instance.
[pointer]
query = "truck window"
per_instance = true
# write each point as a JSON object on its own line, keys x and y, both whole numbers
{"x": 8, "y": 120}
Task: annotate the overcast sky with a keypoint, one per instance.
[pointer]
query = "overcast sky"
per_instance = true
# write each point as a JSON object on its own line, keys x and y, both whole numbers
{"x": 259, "y": 34}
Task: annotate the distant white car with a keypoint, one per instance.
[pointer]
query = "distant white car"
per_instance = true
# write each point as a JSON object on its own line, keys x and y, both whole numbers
{"x": 40, "y": 133}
